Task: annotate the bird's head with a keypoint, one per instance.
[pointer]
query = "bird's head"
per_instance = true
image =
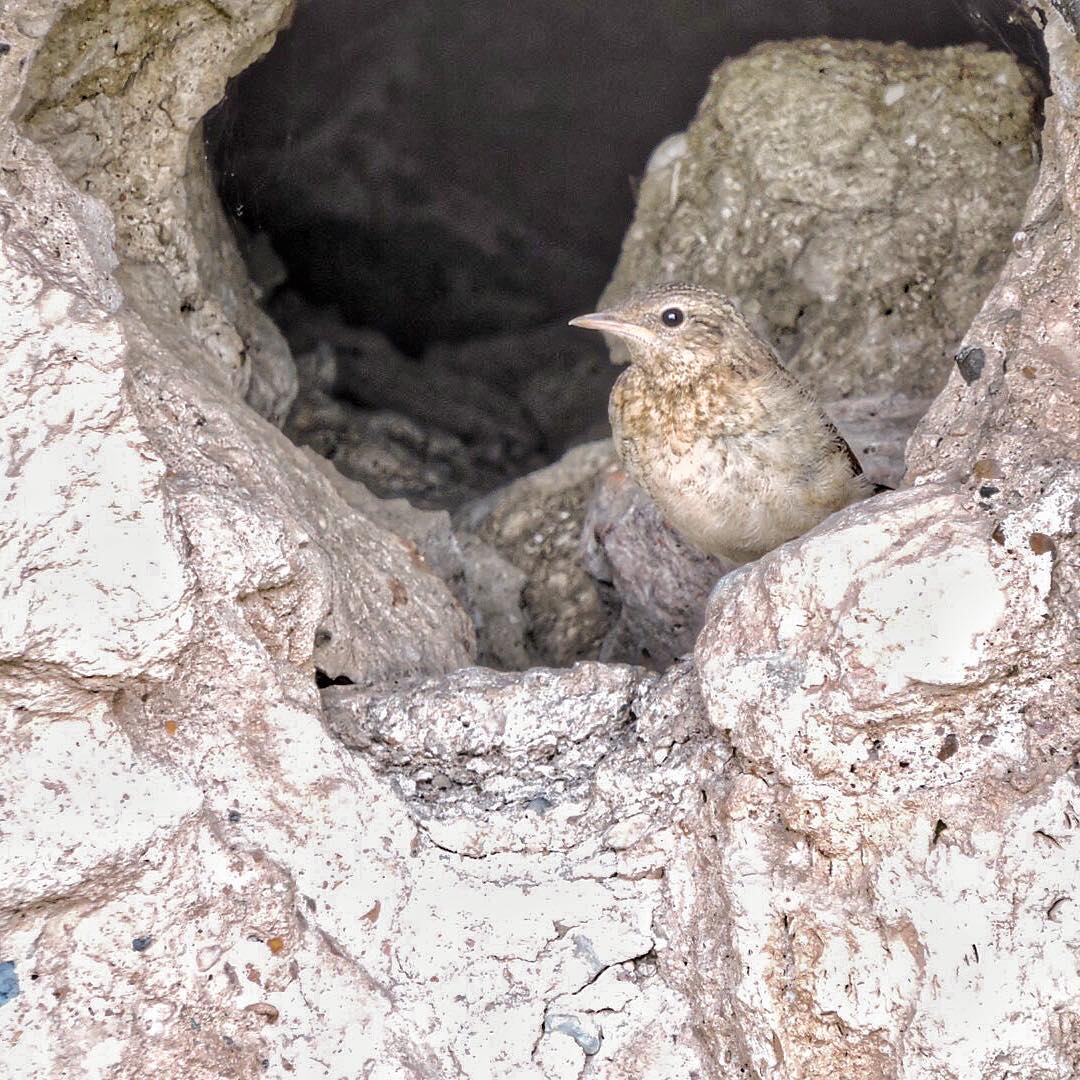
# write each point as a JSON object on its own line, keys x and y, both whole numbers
{"x": 676, "y": 329}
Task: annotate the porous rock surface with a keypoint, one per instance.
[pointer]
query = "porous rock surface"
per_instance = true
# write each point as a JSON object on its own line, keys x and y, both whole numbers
{"x": 661, "y": 583}
{"x": 535, "y": 524}
{"x": 84, "y": 80}
{"x": 861, "y": 247}
{"x": 818, "y": 846}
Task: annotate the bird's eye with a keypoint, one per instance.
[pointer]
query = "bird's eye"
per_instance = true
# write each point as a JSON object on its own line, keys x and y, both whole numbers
{"x": 672, "y": 316}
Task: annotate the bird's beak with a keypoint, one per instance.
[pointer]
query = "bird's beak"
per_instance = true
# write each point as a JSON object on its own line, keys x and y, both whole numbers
{"x": 612, "y": 322}
{"x": 608, "y": 321}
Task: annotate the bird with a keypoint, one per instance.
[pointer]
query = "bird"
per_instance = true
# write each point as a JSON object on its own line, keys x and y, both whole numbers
{"x": 735, "y": 452}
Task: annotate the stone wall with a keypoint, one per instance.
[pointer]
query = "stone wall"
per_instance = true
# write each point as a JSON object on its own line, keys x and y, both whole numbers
{"x": 837, "y": 838}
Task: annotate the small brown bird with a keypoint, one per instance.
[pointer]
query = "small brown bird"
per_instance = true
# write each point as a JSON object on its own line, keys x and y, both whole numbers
{"x": 735, "y": 452}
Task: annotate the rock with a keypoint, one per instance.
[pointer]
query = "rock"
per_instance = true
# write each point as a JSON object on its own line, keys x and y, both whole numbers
{"x": 1006, "y": 426}
{"x": 561, "y": 377}
{"x": 389, "y": 453}
{"x": 372, "y": 373}
{"x": 177, "y": 482}
{"x": 491, "y": 737}
{"x": 174, "y": 572}
{"x": 428, "y": 533}
{"x": 878, "y": 429}
{"x": 661, "y": 582}
{"x": 392, "y": 454}
{"x": 265, "y": 266}
{"x": 495, "y": 596}
{"x": 535, "y": 524}
{"x": 890, "y": 675}
{"x": 861, "y": 249}
{"x": 542, "y": 771}
{"x": 463, "y": 420}
{"x": 487, "y": 586}
{"x": 89, "y": 83}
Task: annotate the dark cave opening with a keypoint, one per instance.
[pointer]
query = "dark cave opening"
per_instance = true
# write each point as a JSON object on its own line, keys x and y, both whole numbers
{"x": 444, "y": 185}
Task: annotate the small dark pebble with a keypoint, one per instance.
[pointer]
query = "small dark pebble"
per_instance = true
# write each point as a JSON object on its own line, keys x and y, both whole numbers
{"x": 5, "y": 48}
{"x": 998, "y": 535}
{"x": 234, "y": 816}
{"x": 970, "y": 363}
{"x": 948, "y": 747}
{"x": 987, "y": 490}
{"x": 1040, "y": 543}
{"x": 141, "y": 944}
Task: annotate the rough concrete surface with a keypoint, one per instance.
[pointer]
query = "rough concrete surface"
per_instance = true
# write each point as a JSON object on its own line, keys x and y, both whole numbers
{"x": 840, "y": 838}
{"x": 902, "y": 725}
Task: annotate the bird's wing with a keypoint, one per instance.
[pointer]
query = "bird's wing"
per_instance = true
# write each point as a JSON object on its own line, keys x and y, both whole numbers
{"x": 856, "y": 464}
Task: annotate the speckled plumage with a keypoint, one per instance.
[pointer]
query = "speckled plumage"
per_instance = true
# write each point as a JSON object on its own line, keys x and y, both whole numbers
{"x": 737, "y": 455}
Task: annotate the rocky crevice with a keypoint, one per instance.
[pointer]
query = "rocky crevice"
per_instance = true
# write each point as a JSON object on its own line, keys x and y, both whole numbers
{"x": 782, "y": 856}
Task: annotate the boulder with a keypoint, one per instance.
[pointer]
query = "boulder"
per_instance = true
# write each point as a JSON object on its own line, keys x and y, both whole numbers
{"x": 446, "y": 428}
{"x": 388, "y": 452}
{"x": 895, "y": 688}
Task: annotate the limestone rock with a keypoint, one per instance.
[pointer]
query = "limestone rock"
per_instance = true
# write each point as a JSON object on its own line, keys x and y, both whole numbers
{"x": 661, "y": 582}
{"x": 465, "y": 418}
{"x": 93, "y": 75}
{"x": 535, "y": 523}
{"x": 878, "y": 429}
{"x": 545, "y": 787}
{"x": 486, "y": 739}
{"x": 173, "y": 572}
{"x": 1006, "y": 424}
{"x": 862, "y": 249}
{"x": 894, "y": 686}
{"x": 495, "y": 597}
{"x": 388, "y": 452}
{"x": 560, "y": 376}
{"x": 488, "y": 586}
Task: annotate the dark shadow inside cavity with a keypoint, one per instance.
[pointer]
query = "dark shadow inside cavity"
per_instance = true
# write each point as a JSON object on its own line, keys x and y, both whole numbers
{"x": 443, "y": 185}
